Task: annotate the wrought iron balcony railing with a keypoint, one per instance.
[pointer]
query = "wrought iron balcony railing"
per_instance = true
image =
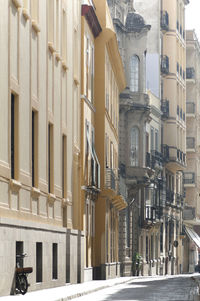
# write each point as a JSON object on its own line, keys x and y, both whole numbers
{"x": 111, "y": 182}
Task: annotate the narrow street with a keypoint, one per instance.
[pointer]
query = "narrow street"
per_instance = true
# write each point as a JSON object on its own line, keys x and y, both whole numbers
{"x": 180, "y": 287}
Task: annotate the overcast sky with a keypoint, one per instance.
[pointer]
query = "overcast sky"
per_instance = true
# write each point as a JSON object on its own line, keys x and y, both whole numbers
{"x": 192, "y": 18}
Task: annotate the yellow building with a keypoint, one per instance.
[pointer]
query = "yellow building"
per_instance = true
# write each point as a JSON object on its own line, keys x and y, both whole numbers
{"x": 90, "y": 164}
{"x": 109, "y": 82}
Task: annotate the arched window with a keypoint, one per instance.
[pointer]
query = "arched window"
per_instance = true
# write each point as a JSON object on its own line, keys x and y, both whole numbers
{"x": 134, "y": 147}
{"x": 134, "y": 73}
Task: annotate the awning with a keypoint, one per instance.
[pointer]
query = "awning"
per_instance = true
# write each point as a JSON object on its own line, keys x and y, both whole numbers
{"x": 193, "y": 236}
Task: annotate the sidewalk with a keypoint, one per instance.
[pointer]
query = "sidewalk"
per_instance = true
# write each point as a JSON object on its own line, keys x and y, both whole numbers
{"x": 69, "y": 291}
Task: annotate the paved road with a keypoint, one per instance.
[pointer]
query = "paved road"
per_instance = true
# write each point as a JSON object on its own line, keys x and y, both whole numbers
{"x": 179, "y": 288}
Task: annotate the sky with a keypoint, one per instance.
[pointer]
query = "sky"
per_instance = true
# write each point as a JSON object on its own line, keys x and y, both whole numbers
{"x": 192, "y": 17}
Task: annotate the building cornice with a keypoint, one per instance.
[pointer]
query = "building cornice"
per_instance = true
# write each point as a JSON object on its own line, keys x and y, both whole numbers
{"x": 89, "y": 13}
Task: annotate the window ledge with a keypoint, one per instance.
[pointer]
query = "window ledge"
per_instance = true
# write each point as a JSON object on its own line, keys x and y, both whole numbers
{"x": 51, "y": 198}
{"x": 51, "y": 47}
{"x": 15, "y": 185}
{"x": 64, "y": 65}
{"x": 17, "y": 3}
{"x": 26, "y": 14}
{"x": 66, "y": 202}
{"x": 35, "y": 192}
{"x": 35, "y": 26}
{"x": 76, "y": 81}
{"x": 58, "y": 57}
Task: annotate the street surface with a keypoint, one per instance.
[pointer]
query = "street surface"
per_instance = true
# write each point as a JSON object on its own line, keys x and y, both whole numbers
{"x": 179, "y": 288}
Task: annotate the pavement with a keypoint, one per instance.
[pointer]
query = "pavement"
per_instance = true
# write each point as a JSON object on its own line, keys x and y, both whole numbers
{"x": 69, "y": 291}
{"x": 72, "y": 291}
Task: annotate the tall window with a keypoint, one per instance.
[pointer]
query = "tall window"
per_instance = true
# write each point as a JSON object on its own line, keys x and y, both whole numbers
{"x": 50, "y": 158}
{"x": 14, "y": 136}
{"x": 38, "y": 262}
{"x": 34, "y": 148}
{"x": 152, "y": 139}
{"x": 64, "y": 165}
{"x": 134, "y": 151}
{"x": 55, "y": 261}
{"x": 156, "y": 141}
{"x": 134, "y": 73}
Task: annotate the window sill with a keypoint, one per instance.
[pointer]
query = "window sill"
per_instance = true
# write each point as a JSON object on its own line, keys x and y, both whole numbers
{"x": 66, "y": 202}
{"x": 15, "y": 185}
{"x": 51, "y": 47}
{"x": 35, "y": 192}
{"x": 64, "y": 65}
{"x": 17, "y": 3}
{"x": 51, "y": 198}
{"x": 35, "y": 26}
{"x": 58, "y": 57}
{"x": 76, "y": 81}
{"x": 26, "y": 14}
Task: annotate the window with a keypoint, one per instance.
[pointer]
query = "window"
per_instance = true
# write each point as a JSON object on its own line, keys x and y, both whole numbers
{"x": 50, "y": 158}
{"x": 55, "y": 261}
{"x": 14, "y": 137}
{"x": 34, "y": 149}
{"x": 64, "y": 165}
{"x": 134, "y": 151}
{"x": 19, "y": 251}
{"x": 38, "y": 262}
{"x": 161, "y": 238}
{"x": 134, "y": 74}
{"x": 156, "y": 140}
{"x": 152, "y": 139}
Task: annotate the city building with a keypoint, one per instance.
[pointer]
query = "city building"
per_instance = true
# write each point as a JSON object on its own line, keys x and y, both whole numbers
{"x": 109, "y": 82}
{"x": 40, "y": 142}
{"x": 90, "y": 184}
{"x": 191, "y": 213}
{"x": 166, "y": 60}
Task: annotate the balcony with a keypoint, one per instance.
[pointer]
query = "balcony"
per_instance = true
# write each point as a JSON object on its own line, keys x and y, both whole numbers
{"x": 190, "y": 109}
{"x": 164, "y": 20}
{"x": 179, "y": 200}
{"x": 164, "y": 64}
{"x": 190, "y": 73}
{"x": 189, "y": 179}
{"x": 190, "y": 144}
{"x": 165, "y": 108}
{"x": 111, "y": 182}
{"x": 156, "y": 159}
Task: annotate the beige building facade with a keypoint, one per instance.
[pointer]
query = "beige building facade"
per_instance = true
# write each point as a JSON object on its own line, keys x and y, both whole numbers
{"x": 40, "y": 141}
{"x": 191, "y": 213}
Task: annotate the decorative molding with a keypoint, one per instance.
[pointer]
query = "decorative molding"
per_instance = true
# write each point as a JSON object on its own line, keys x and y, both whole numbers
{"x": 89, "y": 13}
{"x": 51, "y": 47}
{"x": 15, "y": 185}
{"x": 14, "y": 85}
{"x": 51, "y": 198}
{"x": 35, "y": 192}
{"x": 58, "y": 57}
{"x": 64, "y": 65}
{"x": 17, "y": 3}
{"x": 76, "y": 81}
{"x": 26, "y": 14}
{"x": 35, "y": 26}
